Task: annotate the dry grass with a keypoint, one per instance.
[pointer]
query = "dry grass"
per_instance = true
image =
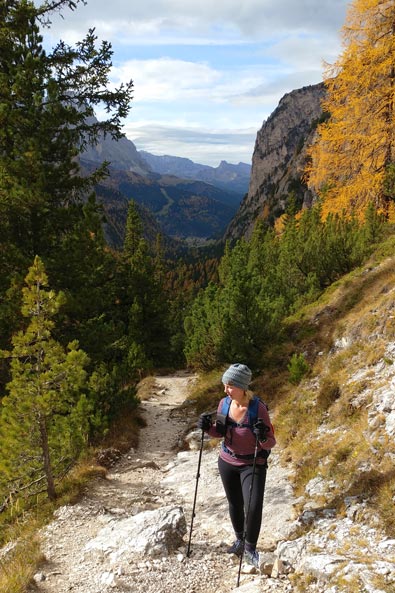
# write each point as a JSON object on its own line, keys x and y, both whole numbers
{"x": 302, "y": 582}
{"x": 296, "y": 418}
{"x": 19, "y": 566}
{"x": 328, "y": 393}
{"x": 123, "y": 433}
{"x": 321, "y": 425}
{"x": 145, "y": 388}
{"x": 207, "y": 391}
{"x": 347, "y": 583}
{"x": 385, "y": 501}
{"x": 22, "y": 523}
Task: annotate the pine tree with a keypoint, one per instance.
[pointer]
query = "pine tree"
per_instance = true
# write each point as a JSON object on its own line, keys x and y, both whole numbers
{"x": 44, "y": 417}
{"x": 146, "y": 310}
{"x": 203, "y": 329}
{"x": 355, "y": 150}
{"x": 133, "y": 231}
{"x": 47, "y": 101}
{"x": 264, "y": 280}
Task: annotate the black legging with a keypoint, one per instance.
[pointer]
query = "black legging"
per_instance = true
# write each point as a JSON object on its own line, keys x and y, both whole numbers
{"x": 236, "y": 481}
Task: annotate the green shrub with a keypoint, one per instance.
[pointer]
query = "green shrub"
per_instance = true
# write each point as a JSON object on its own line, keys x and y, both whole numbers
{"x": 298, "y": 368}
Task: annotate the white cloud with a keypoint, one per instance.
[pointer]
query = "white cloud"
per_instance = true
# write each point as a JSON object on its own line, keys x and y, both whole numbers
{"x": 252, "y": 18}
{"x": 199, "y": 144}
{"x": 166, "y": 79}
{"x": 207, "y": 73}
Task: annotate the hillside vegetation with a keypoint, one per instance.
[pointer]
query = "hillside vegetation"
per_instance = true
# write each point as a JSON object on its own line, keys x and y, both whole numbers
{"x": 329, "y": 384}
{"x": 308, "y": 303}
{"x": 338, "y": 422}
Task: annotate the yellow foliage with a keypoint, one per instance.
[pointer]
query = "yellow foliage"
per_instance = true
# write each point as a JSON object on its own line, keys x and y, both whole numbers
{"x": 391, "y": 212}
{"x": 280, "y": 224}
{"x": 356, "y": 145}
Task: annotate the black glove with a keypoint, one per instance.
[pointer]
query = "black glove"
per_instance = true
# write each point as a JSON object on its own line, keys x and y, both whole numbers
{"x": 260, "y": 430}
{"x": 205, "y": 422}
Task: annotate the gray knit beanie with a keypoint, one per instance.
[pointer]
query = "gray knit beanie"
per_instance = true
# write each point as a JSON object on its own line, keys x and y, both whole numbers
{"x": 238, "y": 375}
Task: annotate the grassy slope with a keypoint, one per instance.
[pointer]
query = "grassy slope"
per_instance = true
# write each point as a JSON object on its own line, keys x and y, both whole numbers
{"x": 322, "y": 423}
{"x": 329, "y": 425}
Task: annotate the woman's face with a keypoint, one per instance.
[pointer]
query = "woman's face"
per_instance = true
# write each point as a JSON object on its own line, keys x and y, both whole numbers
{"x": 232, "y": 391}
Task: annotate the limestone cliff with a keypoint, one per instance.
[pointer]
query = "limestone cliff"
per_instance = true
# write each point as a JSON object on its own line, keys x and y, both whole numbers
{"x": 279, "y": 158}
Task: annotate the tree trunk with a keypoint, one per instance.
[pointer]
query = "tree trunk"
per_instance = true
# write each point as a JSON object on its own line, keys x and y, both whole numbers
{"x": 47, "y": 460}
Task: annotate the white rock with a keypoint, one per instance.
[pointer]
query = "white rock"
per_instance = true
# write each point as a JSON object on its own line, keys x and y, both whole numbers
{"x": 320, "y": 565}
{"x": 254, "y": 586}
{"x": 153, "y": 533}
{"x": 390, "y": 424}
{"x": 108, "y": 579}
{"x": 278, "y": 568}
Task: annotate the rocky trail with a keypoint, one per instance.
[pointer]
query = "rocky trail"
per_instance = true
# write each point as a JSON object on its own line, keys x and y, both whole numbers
{"x": 96, "y": 546}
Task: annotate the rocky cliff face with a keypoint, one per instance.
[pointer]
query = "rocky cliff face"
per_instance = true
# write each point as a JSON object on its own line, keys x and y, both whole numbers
{"x": 278, "y": 160}
{"x": 121, "y": 154}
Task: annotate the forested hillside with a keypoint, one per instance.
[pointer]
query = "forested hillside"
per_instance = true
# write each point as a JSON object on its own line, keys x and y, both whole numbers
{"x": 67, "y": 300}
{"x": 81, "y": 322}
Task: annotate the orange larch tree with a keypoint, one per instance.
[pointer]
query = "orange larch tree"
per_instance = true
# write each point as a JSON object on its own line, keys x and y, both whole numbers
{"x": 353, "y": 160}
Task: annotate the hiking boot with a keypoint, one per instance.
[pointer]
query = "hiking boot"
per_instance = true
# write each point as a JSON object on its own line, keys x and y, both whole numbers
{"x": 251, "y": 558}
{"x": 236, "y": 548}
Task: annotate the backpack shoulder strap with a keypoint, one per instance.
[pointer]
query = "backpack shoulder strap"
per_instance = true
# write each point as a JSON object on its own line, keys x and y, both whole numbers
{"x": 225, "y": 405}
{"x": 253, "y": 409}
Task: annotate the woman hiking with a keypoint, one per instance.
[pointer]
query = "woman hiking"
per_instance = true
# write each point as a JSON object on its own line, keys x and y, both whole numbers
{"x": 243, "y": 422}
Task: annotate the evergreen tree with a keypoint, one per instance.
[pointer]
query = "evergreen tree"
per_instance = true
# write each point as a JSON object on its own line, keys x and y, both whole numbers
{"x": 147, "y": 338}
{"x": 47, "y": 101}
{"x": 203, "y": 329}
{"x": 44, "y": 417}
{"x": 355, "y": 150}
{"x": 133, "y": 231}
{"x": 264, "y": 280}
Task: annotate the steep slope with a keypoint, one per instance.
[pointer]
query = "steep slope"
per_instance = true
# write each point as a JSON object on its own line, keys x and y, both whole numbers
{"x": 278, "y": 160}
{"x": 115, "y": 208}
{"x": 337, "y": 428}
{"x": 121, "y": 154}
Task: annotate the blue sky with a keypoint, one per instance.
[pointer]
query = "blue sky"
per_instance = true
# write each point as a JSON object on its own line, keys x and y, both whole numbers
{"x": 207, "y": 73}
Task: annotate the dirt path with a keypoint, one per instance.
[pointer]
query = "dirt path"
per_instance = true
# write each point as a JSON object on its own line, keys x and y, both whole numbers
{"x": 151, "y": 477}
{"x": 164, "y": 426}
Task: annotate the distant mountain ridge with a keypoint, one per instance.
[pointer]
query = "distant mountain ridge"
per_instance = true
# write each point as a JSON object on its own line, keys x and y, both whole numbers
{"x": 121, "y": 154}
{"x": 188, "y": 208}
{"x": 234, "y": 178}
{"x": 185, "y": 208}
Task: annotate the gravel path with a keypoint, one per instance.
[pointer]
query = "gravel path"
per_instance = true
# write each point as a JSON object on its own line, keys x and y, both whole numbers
{"x": 151, "y": 477}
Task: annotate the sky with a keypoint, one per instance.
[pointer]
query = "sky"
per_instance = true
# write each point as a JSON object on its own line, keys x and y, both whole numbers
{"x": 207, "y": 73}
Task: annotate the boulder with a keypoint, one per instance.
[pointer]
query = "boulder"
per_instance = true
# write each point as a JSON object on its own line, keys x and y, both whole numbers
{"x": 151, "y": 533}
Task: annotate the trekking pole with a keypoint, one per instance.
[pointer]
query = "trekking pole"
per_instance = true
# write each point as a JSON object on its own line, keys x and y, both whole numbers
{"x": 248, "y": 511}
{"x": 196, "y": 489}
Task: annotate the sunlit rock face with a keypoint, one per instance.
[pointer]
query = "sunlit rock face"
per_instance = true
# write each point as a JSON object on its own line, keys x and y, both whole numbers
{"x": 279, "y": 160}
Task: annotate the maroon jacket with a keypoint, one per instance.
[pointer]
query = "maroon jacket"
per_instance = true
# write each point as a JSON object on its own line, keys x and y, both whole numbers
{"x": 240, "y": 440}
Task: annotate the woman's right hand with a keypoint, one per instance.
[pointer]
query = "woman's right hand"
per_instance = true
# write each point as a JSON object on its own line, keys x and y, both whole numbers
{"x": 205, "y": 422}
